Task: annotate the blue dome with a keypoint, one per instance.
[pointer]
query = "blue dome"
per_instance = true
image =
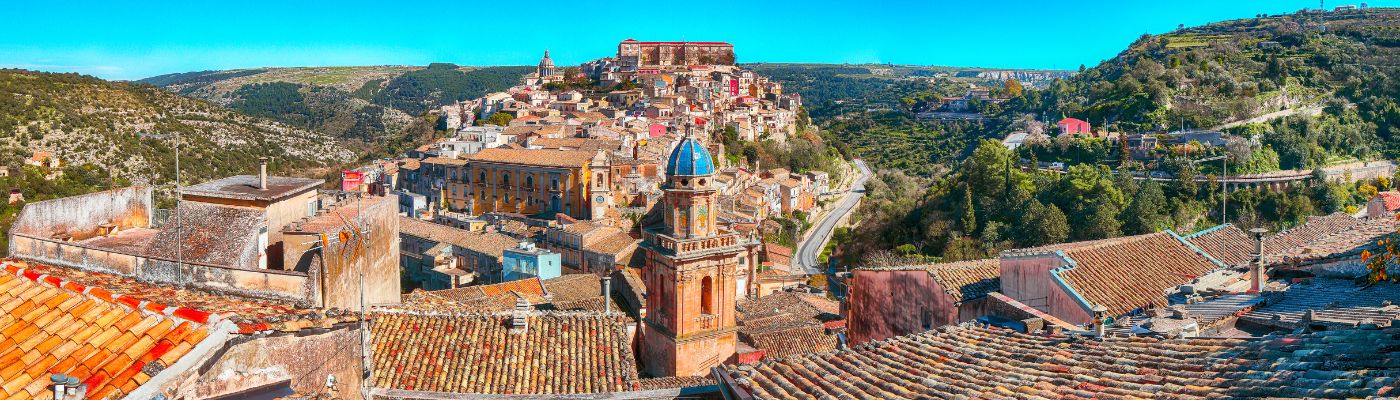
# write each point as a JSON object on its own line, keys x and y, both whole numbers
{"x": 690, "y": 159}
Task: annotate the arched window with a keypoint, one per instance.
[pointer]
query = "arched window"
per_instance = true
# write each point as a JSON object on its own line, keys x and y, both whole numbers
{"x": 707, "y": 295}
{"x": 483, "y": 177}
{"x": 505, "y": 179}
{"x": 530, "y": 181}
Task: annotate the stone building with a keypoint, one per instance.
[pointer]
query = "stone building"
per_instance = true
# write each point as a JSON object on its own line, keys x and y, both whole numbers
{"x": 691, "y": 272}
{"x": 255, "y": 236}
{"x": 634, "y": 55}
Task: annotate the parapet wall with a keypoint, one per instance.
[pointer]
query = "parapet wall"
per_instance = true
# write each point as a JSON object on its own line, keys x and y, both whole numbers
{"x": 80, "y": 216}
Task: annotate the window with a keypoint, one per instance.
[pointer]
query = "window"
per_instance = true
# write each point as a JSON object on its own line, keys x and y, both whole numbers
{"x": 707, "y": 297}
{"x": 505, "y": 179}
{"x": 530, "y": 181}
{"x": 483, "y": 177}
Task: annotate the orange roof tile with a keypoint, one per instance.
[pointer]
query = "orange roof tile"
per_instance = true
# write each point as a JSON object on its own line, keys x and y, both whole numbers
{"x": 557, "y": 353}
{"x": 58, "y": 327}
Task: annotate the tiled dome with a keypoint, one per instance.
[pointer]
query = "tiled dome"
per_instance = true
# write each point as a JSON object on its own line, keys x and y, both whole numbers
{"x": 690, "y": 159}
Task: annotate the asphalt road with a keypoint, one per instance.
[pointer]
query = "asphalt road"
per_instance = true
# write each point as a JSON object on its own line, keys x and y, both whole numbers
{"x": 808, "y": 251}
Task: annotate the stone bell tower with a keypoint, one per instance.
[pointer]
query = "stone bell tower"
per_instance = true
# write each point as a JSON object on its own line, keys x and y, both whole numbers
{"x": 691, "y": 272}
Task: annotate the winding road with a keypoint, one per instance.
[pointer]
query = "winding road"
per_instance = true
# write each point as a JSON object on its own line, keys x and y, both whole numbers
{"x": 811, "y": 247}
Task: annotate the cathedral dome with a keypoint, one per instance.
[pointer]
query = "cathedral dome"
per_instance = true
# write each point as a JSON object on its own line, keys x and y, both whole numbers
{"x": 546, "y": 61}
{"x": 690, "y": 158}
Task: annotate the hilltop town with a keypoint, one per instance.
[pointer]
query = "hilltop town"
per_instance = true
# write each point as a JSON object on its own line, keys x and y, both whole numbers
{"x": 622, "y": 229}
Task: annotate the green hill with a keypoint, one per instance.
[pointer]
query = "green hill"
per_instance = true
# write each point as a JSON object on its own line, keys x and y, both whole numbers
{"x": 128, "y": 129}
{"x": 370, "y": 104}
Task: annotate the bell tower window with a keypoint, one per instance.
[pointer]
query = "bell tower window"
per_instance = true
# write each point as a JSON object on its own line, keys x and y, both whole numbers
{"x": 707, "y": 295}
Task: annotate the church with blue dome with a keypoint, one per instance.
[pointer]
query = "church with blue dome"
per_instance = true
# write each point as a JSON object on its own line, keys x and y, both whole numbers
{"x": 692, "y": 271}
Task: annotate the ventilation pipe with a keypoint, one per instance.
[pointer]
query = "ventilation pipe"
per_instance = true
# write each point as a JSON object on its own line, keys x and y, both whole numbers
{"x": 607, "y": 297}
{"x": 262, "y": 173}
{"x": 1256, "y": 267}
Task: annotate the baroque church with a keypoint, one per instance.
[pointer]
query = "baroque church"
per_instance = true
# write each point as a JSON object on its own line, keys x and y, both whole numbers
{"x": 695, "y": 272}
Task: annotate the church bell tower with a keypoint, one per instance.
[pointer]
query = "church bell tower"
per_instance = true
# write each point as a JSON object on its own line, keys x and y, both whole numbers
{"x": 691, "y": 272}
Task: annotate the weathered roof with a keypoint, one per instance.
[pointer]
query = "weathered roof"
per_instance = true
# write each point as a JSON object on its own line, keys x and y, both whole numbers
{"x": 214, "y": 234}
{"x": 1127, "y": 273}
{"x": 557, "y": 353}
{"x": 488, "y": 243}
{"x": 582, "y": 144}
{"x": 1227, "y": 243}
{"x": 1333, "y": 301}
{"x": 547, "y": 158}
{"x": 963, "y": 280}
{"x": 971, "y": 361}
{"x": 1390, "y": 199}
{"x": 788, "y": 323}
{"x": 111, "y": 343}
{"x": 245, "y": 187}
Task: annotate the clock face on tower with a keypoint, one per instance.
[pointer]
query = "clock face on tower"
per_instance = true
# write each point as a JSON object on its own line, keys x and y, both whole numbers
{"x": 598, "y": 199}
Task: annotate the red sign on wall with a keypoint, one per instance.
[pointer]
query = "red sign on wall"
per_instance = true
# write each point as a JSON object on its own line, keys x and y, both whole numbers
{"x": 350, "y": 181}
{"x": 733, "y": 87}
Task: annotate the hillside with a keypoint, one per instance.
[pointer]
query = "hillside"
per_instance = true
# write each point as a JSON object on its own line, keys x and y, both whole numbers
{"x": 128, "y": 129}
{"x": 1221, "y": 74}
{"x": 1307, "y": 95}
{"x": 368, "y": 104}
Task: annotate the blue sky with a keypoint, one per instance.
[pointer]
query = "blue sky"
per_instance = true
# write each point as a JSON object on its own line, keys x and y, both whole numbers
{"x": 118, "y": 39}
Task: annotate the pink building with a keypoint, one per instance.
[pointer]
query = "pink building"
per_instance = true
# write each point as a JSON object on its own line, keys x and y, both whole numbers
{"x": 893, "y": 301}
{"x": 1073, "y": 126}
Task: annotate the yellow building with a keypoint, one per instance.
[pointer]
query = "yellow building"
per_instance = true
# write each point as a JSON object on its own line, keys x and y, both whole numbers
{"x": 531, "y": 182}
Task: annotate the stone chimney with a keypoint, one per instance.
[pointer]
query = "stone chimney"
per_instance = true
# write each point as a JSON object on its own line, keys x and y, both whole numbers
{"x": 518, "y": 321}
{"x": 607, "y": 295}
{"x": 1256, "y": 267}
{"x": 262, "y": 173}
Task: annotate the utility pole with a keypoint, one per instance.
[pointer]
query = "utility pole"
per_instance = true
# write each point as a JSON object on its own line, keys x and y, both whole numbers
{"x": 179, "y": 223}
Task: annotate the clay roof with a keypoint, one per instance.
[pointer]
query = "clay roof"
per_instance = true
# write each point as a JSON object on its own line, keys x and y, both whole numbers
{"x": 1227, "y": 243}
{"x": 1320, "y": 237}
{"x": 547, "y": 158}
{"x": 1358, "y": 235}
{"x": 579, "y": 292}
{"x": 214, "y": 234}
{"x": 788, "y": 323}
{"x": 1390, "y": 199}
{"x": 968, "y": 361}
{"x": 1131, "y": 272}
{"x": 671, "y": 382}
{"x": 615, "y": 244}
{"x": 557, "y": 353}
{"x": 250, "y": 315}
{"x": 110, "y": 342}
{"x": 445, "y": 161}
{"x": 245, "y": 187}
{"x": 583, "y": 144}
{"x": 1333, "y": 301}
{"x": 493, "y": 244}
{"x": 963, "y": 280}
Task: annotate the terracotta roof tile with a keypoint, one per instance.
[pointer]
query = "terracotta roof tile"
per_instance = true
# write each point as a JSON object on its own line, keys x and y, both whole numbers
{"x": 788, "y": 323}
{"x": 977, "y": 362}
{"x": 1128, "y": 273}
{"x": 964, "y": 280}
{"x": 557, "y": 353}
{"x": 54, "y": 330}
{"x": 547, "y": 158}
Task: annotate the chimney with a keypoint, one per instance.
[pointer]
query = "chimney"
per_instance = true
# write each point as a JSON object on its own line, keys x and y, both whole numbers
{"x": 1256, "y": 268}
{"x": 1099, "y": 329}
{"x": 262, "y": 173}
{"x": 517, "y": 318}
{"x": 607, "y": 297}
